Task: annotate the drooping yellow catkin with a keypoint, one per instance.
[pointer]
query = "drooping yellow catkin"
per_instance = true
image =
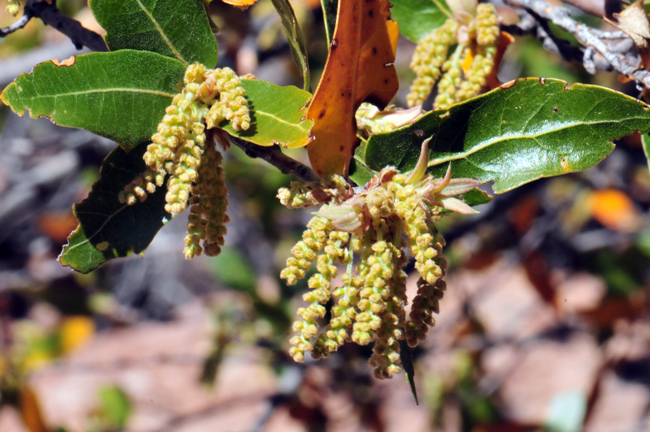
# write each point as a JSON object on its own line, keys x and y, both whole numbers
{"x": 425, "y": 304}
{"x": 231, "y": 105}
{"x": 14, "y": 6}
{"x": 332, "y": 188}
{"x": 145, "y": 183}
{"x": 343, "y": 313}
{"x": 320, "y": 284}
{"x": 395, "y": 214}
{"x": 451, "y": 80}
{"x": 487, "y": 25}
{"x": 209, "y": 202}
{"x": 306, "y": 250}
{"x": 178, "y": 145}
{"x": 185, "y": 169}
{"x": 430, "y": 54}
{"x": 482, "y": 65}
{"x": 377, "y": 273}
{"x": 386, "y": 352}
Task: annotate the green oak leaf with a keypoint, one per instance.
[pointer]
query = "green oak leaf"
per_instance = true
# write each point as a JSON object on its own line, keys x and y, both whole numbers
{"x": 330, "y": 10}
{"x": 361, "y": 174}
{"x": 520, "y": 132}
{"x": 417, "y": 18}
{"x": 107, "y": 228}
{"x": 359, "y": 171}
{"x": 645, "y": 142}
{"x": 120, "y": 95}
{"x": 277, "y": 115}
{"x": 178, "y": 29}
{"x": 295, "y": 38}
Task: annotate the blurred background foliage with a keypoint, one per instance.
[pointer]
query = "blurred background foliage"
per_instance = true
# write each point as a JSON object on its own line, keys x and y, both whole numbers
{"x": 545, "y": 325}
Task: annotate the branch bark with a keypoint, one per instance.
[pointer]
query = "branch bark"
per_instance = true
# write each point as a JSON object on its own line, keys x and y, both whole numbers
{"x": 22, "y": 22}
{"x": 275, "y": 157}
{"x": 52, "y": 16}
{"x": 78, "y": 34}
{"x": 626, "y": 63}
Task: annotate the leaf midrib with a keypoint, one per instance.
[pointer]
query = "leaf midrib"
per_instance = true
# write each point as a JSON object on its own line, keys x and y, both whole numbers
{"x": 162, "y": 34}
{"x": 293, "y": 125}
{"x": 99, "y": 230}
{"x": 109, "y": 90}
{"x": 501, "y": 139}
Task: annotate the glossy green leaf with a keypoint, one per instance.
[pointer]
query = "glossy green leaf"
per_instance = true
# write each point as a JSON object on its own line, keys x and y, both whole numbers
{"x": 120, "y": 95}
{"x": 276, "y": 115}
{"x": 295, "y": 38}
{"x": 107, "y": 228}
{"x": 359, "y": 171}
{"x": 174, "y": 28}
{"x": 645, "y": 142}
{"x": 417, "y": 18}
{"x": 330, "y": 10}
{"x": 361, "y": 174}
{"x": 515, "y": 134}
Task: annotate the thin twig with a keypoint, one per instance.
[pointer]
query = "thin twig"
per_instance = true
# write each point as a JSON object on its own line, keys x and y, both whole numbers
{"x": 22, "y": 22}
{"x": 275, "y": 157}
{"x": 588, "y": 37}
{"x": 597, "y": 8}
{"x": 52, "y": 16}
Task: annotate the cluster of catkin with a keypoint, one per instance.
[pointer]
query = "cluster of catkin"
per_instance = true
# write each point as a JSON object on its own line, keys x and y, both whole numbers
{"x": 390, "y": 218}
{"x": 181, "y": 153}
{"x": 465, "y": 71}
{"x": 14, "y": 6}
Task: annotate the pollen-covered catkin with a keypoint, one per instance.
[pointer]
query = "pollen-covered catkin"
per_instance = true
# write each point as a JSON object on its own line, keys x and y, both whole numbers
{"x": 339, "y": 328}
{"x": 232, "y": 104}
{"x": 386, "y": 352}
{"x": 207, "y": 219}
{"x": 320, "y": 284}
{"x": 14, "y": 6}
{"x": 306, "y": 250}
{"x": 451, "y": 80}
{"x": 377, "y": 272}
{"x": 487, "y": 25}
{"x": 395, "y": 214}
{"x": 184, "y": 172}
{"x": 425, "y": 304}
{"x": 430, "y": 54}
{"x": 476, "y": 77}
{"x": 179, "y": 143}
{"x": 332, "y": 188}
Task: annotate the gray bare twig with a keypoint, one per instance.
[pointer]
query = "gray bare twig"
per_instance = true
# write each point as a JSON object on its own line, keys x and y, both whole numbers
{"x": 592, "y": 39}
{"x": 22, "y": 22}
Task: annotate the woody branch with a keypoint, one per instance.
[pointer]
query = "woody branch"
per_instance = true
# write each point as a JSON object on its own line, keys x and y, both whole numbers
{"x": 602, "y": 49}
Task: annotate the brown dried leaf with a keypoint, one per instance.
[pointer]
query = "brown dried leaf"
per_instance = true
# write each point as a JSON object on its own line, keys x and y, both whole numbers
{"x": 359, "y": 69}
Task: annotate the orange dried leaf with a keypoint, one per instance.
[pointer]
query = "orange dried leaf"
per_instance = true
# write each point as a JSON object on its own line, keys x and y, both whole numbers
{"x": 240, "y": 3}
{"x": 505, "y": 39}
{"x": 359, "y": 69}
